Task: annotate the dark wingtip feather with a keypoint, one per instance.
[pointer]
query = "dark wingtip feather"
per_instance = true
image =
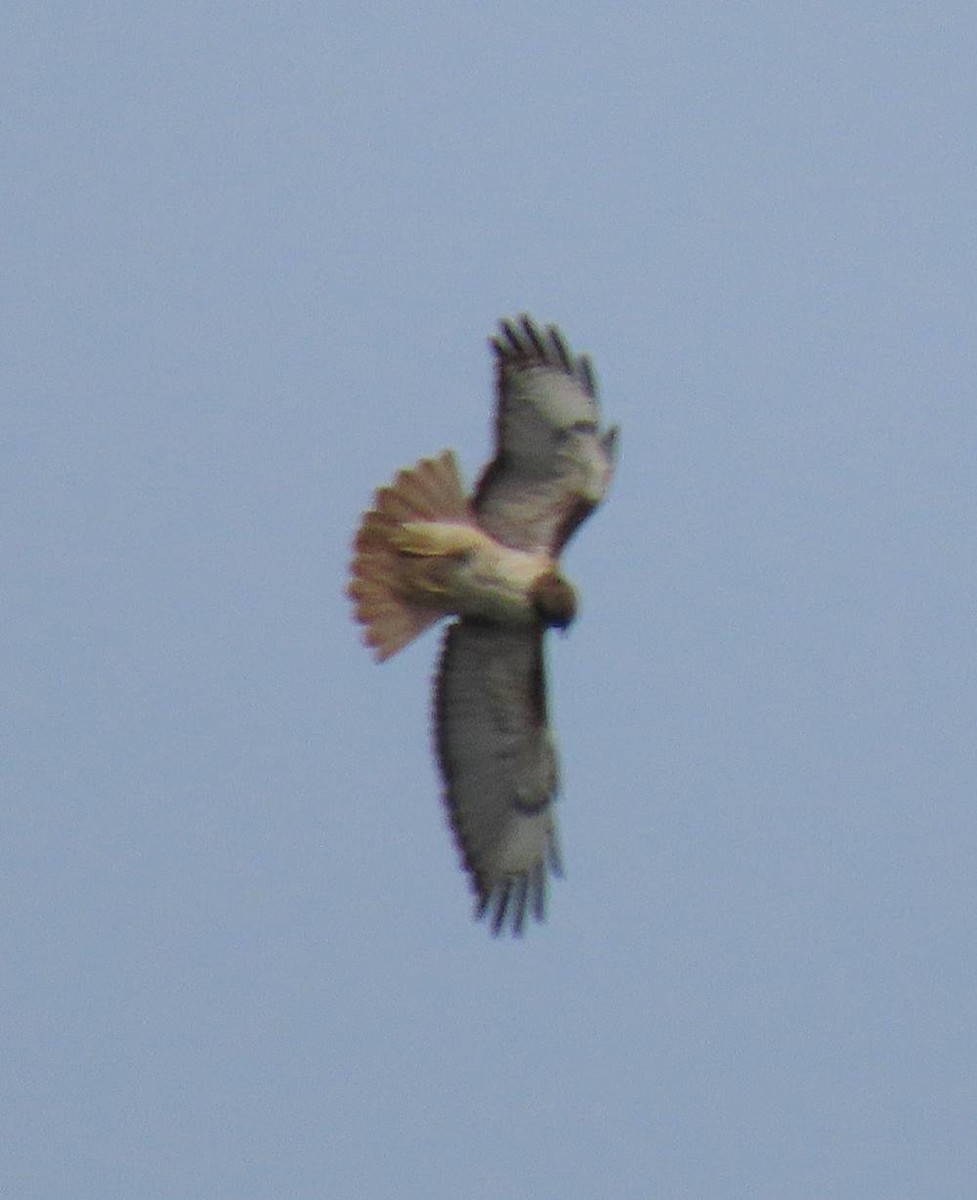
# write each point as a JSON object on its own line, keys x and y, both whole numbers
{"x": 539, "y": 893}
{"x": 585, "y": 373}
{"x": 562, "y": 349}
{"x": 508, "y": 902}
{"x": 503, "y": 892}
{"x": 519, "y": 905}
{"x": 511, "y": 334}
{"x": 554, "y": 859}
{"x": 522, "y": 343}
{"x": 531, "y": 330}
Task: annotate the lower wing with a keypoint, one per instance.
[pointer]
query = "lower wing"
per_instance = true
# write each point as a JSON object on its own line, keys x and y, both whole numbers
{"x": 499, "y": 765}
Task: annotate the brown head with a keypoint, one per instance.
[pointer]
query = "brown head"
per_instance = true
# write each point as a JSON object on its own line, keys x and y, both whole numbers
{"x": 553, "y": 599}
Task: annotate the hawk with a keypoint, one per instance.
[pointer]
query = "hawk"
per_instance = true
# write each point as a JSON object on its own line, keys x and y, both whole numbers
{"x": 425, "y": 551}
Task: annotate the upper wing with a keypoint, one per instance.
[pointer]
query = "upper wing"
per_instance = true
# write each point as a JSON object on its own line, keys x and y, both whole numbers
{"x": 499, "y": 765}
{"x": 552, "y": 464}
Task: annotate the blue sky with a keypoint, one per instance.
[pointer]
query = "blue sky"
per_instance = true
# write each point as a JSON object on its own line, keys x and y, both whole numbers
{"x": 251, "y": 257}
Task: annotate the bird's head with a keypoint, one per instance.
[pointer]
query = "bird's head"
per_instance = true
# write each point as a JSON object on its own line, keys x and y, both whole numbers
{"x": 553, "y": 599}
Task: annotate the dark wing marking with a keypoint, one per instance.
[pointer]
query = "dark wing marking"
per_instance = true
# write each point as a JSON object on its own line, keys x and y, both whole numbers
{"x": 499, "y": 766}
{"x": 552, "y": 463}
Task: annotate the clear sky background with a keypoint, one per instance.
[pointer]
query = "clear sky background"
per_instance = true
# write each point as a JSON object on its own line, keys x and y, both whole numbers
{"x": 251, "y": 254}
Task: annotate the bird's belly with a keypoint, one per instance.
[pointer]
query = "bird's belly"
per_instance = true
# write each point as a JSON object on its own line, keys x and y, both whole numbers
{"x": 495, "y": 584}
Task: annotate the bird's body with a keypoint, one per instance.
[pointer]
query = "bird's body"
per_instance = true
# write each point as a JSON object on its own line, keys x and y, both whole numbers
{"x": 483, "y": 578}
{"x": 425, "y": 551}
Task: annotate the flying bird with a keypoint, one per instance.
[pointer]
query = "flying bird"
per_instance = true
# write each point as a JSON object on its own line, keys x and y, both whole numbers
{"x": 425, "y": 550}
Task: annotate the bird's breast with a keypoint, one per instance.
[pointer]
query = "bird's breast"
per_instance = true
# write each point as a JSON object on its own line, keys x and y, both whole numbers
{"x": 496, "y": 583}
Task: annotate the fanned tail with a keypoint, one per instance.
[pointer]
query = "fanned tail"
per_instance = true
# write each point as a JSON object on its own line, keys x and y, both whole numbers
{"x": 380, "y": 585}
